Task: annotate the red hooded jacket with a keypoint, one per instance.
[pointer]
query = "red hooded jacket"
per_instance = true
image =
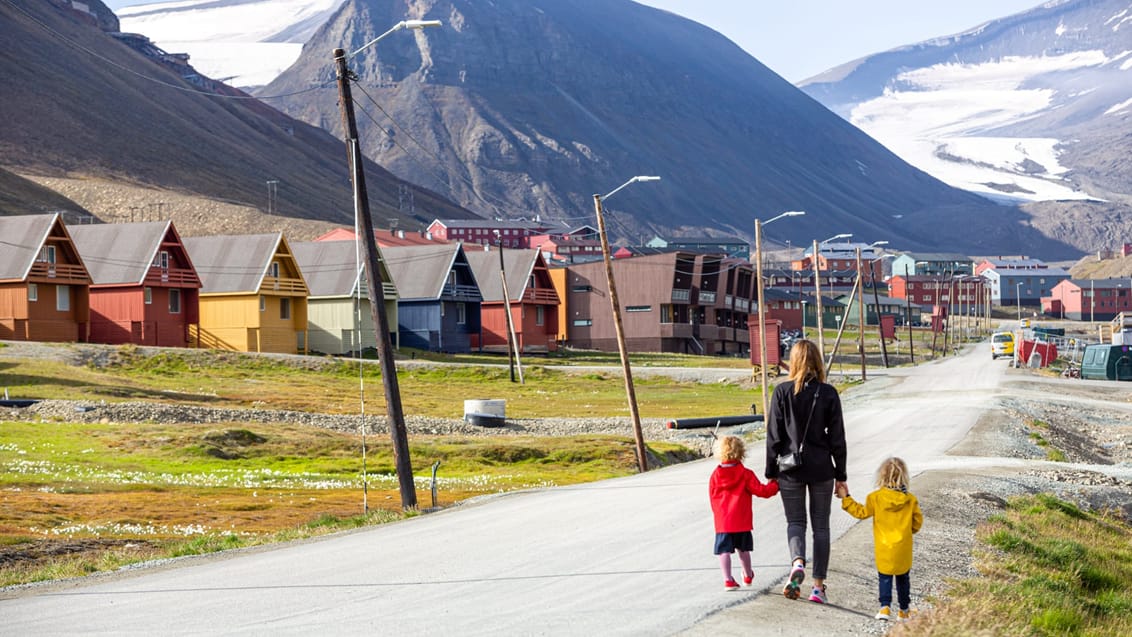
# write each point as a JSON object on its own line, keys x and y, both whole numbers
{"x": 730, "y": 490}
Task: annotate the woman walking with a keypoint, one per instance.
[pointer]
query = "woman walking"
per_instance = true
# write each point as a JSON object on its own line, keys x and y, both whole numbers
{"x": 805, "y": 452}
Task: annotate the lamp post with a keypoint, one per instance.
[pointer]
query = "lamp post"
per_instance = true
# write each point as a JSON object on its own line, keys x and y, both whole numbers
{"x": 631, "y": 394}
{"x": 876, "y": 299}
{"x": 817, "y": 289}
{"x": 511, "y": 348}
{"x": 1018, "y": 298}
{"x": 908, "y": 319}
{"x": 762, "y": 305}
{"x": 397, "y": 429}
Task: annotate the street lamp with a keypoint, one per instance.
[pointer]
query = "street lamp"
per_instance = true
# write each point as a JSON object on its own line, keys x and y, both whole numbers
{"x": 398, "y": 432}
{"x": 817, "y": 289}
{"x": 837, "y": 236}
{"x": 762, "y": 306}
{"x": 642, "y": 460}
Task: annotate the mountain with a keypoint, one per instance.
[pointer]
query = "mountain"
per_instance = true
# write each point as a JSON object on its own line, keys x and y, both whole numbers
{"x": 523, "y": 108}
{"x": 82, "y": 100}
{"x": 246, "y": 43}
{"x": 1034, "y": 107}
{"x": 20, "y": 196}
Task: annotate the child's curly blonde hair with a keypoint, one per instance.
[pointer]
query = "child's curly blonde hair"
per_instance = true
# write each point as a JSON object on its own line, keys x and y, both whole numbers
{"x": 730, "y": 449}
{"x": 893, "y": 474}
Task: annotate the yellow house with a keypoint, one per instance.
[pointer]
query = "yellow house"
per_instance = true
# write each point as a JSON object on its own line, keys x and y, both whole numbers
{"x": 253, "y": 297}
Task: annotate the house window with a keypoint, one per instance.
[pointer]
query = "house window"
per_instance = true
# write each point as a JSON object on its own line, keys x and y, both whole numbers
{"x": 540, "y": 314}
{"x": 667, "y": 314}
{"x": 63, "y": 298}
{"x": 148, "y": 292}
{"x": 33, "y": 292}
{"x": 162, "y": 260}
{"x": 638, "y": 308}
{"x": 262, "y": 303}
{"x": 583, "y": 322}
{"x": 461, "y": 313}
{"x": 582, "y": 288}
{"x": 285, "y": 308}
{"x": 46, "y": 254}
{"x": 174, "y": 301}
{"x": 273, "y": 270}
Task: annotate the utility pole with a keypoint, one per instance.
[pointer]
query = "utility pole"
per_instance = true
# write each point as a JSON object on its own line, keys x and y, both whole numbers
{"x": 512, "y": 351}
{"x": 817, "y": 289}
{"x": 397, "y": 430}
{"x": 876, "y": 304}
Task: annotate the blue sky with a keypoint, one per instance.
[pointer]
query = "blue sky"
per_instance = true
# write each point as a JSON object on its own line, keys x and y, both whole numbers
{"x": 801, "y": 38}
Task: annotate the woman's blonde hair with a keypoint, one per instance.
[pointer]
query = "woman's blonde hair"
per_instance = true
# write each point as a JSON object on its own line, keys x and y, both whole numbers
{"x": 730, "y": 449}
{"x": 893, "y": 474}
{"x": 805, "y": 363}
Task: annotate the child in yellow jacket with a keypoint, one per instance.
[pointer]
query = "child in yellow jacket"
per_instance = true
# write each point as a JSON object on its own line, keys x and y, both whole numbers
{"x": 896, "y": 517}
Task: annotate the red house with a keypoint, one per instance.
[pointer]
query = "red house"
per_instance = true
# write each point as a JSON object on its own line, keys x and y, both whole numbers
{"x": 144, "y": 289}
{"x": 44, "y": 286}
{"x": 534, "y": 302}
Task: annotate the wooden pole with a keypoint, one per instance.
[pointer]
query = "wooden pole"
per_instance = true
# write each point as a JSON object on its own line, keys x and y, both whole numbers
{"x": 513, "y": 346}
{"x": 397, "y": 430}
{"x": 817, "y": 290}
{"x": 876, "y": 304}
{"x": 762, "y": 315}
{"x": 861, "y": 314}
{"x": 630, "y": 392}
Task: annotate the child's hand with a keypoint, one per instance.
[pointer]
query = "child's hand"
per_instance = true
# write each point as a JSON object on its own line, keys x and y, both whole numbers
{"x": 841, "y": 490}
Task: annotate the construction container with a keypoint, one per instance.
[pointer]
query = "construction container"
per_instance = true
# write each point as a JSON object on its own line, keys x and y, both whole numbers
{"x": 1107, "y": 362}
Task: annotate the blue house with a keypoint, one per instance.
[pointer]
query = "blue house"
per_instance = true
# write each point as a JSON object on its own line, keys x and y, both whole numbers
{"x": 438, "y": 304}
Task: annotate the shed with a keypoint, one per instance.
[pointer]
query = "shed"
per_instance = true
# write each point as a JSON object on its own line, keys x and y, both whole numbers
{"x": 1107, "y": 362}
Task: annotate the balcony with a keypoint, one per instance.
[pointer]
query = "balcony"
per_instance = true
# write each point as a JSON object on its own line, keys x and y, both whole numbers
{"x": 461, "y": 292}
{"x": 681, "y": 296}
{"x": 675, "y": 330}
{"x": 540, "y": 295}
{"x": 58, "y": 272}
{"x": 284, "y": 286}
{"x": 172, "y": 277}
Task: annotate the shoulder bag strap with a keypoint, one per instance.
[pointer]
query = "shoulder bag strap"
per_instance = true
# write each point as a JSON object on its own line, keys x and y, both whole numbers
{"x": 809, "y": 417}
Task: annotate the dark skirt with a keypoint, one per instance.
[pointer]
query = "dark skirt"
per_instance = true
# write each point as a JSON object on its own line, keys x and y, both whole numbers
{"x": 731, "y": 542}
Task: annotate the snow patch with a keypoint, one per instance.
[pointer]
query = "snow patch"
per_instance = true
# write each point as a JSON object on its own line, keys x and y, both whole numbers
{"x": 1123, "y": 106}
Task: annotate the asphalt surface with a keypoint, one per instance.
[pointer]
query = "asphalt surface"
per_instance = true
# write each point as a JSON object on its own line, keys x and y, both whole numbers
{"x": 623, "y": 557}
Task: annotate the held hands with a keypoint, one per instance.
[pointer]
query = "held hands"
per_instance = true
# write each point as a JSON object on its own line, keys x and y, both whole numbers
{"x": 841, "y": 489}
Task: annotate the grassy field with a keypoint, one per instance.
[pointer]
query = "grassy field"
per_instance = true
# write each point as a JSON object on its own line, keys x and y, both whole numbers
{"x": 1048, "y": 568}
{"x": 78, "y": 498}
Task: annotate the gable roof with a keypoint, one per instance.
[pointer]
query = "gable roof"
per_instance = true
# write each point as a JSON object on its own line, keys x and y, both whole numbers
{"x": 519, "y": 264}
{"x": 420, "y": 272}
{"x": 21, "y": 237}
{"x": 119, "y": 252}
{"x": 229, "y": 264}
{"x": 329, "y": 267}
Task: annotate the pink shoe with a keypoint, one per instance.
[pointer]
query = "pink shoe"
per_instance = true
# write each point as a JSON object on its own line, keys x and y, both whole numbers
{"x": 747, "y": 581}
{"x": 731, "y": 585}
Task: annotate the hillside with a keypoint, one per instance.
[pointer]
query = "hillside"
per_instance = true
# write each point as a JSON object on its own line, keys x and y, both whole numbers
{"x": 527, "y": 107}
{"x": 80, "y": 103}
{"x": 19, "y": 196}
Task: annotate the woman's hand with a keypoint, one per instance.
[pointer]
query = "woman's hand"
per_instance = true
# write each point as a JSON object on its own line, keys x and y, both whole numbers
{"x": 841, "y": 489}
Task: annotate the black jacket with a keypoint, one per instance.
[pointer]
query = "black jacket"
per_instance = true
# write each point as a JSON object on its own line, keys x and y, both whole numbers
{"x": 823, "y": 455}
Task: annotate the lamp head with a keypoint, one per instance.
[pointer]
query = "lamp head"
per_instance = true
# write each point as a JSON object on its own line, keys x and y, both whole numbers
{"x": 646, "y": 178}
{"x": 420, "y": 24}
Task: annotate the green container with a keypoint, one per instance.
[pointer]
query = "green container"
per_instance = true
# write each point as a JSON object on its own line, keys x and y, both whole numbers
{"x": 1107, "y": 362}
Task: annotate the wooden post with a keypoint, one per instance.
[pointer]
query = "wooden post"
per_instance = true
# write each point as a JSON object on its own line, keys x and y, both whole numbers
{"x": 861, "y": 314}
{"x": 817, "y": 289}
{"x": 397, "y": 430}
{"x": 630, "y": 392}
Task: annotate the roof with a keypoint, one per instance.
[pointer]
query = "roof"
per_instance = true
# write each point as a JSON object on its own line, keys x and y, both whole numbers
{"x": 1032, "y": 273}
{"x": 706, "y": 240}
{"x": 385, "y": 238}
{"x": 497, "y": 223}
{"x": 1021, "y": 262}
{"x": 329, "y": 267}
{"x": 21, "y": 237}
{"x": 937, "y": 257}
{"x": 518, "y": 264}
{"x": 420, "y": 272}
{"x": 1102, "y": 284}
{"x": 116, "y": 253}
{"x": 229, "y": 264}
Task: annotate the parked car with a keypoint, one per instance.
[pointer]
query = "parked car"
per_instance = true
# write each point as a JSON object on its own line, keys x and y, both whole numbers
{"x": 1002, "y": 344}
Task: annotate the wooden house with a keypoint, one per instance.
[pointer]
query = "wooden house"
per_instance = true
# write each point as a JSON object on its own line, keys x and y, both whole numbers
{"x": 44, "y": 285}
{"x": 144, "y": 289}
{"x": 534, "y": 302}
{"x": 339, "y": 317}
{"x": 253, "y": 297}
{"x": 438, "y": 307}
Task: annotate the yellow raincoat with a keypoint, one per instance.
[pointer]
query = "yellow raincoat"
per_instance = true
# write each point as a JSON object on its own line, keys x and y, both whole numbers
{"x": 896, "y": 516}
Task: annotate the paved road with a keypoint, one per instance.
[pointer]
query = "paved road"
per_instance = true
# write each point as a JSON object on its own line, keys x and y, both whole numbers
{"x": 629, "y": 556}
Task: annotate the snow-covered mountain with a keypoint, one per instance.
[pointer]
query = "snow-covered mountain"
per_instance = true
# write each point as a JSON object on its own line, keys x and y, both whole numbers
{"x": 1033, "y": 107}
{"x": 246, "y": 43}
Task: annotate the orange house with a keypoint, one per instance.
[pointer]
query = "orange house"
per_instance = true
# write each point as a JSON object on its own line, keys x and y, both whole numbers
{"x": 253, "y": 297}
{"x": 44, "y": 286}
{"x": 144, "y": 289}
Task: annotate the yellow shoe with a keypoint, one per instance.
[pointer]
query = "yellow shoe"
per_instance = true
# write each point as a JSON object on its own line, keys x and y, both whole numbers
{"x": 903, "y": 615}
{"x": 884, "y": 614}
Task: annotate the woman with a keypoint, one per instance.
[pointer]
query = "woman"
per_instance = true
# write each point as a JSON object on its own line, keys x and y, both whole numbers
{"x": 805, "y": 419}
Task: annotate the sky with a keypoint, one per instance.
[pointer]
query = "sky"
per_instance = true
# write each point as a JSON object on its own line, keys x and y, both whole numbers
{"x": 800, "y": 38}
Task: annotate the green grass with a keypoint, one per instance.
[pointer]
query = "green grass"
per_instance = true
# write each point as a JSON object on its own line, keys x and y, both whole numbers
{"x": 1047, "y": 568}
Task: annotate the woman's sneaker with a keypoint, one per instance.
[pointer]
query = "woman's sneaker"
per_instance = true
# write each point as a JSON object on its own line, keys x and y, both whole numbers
{"x": 903, "y": 615}
{"x": 793, "y": 588}
{"x": 818, "y": 595}
{"x": 884, "y": 614}
{"x": 731, "y": 585}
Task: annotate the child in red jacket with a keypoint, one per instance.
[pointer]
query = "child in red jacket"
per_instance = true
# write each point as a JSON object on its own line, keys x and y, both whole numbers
{"x": 730, "y": 489}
